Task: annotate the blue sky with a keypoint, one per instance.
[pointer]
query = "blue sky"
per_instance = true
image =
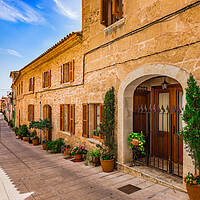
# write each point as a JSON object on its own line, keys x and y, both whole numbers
{"x": 29, "y": 27}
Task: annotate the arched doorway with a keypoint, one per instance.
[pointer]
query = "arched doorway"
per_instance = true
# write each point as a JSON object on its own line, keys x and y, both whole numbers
{"x": 47, "y": 114}
{"x": 157, "y": 113}
{"x": 125, "y": 102}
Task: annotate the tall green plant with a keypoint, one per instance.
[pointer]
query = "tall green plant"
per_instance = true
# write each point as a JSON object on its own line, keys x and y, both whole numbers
{"x": 191, "y": 116}
{"x": 107, "y": 128}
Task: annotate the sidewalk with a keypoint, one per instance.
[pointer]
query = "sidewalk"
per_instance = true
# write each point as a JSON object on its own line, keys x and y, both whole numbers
{"x": 47, "y": 176}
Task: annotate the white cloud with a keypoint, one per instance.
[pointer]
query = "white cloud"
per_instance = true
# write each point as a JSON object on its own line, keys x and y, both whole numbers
{"x": 17, "y": 10}
{"x": 11, "y": 52}
{"x": 69, "y": 8}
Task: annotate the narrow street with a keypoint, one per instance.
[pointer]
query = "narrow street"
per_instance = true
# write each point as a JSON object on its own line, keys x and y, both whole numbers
{"x": 42, "y": 175}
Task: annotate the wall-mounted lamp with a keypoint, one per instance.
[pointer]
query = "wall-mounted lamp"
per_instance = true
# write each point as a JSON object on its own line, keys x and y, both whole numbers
{"x": 164, "y": 84}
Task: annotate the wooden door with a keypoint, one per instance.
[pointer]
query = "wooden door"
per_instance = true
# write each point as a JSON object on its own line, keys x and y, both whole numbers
{"x": 160, "y": 125}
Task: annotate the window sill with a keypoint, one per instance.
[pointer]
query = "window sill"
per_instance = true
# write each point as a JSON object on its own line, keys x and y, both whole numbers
{"x": 94, "y": 141}
{"x": 66, "y": 133}
{"x": 113, "y": 27}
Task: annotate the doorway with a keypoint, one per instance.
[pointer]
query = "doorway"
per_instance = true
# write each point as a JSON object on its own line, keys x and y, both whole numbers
{"x": 157, "y": 113}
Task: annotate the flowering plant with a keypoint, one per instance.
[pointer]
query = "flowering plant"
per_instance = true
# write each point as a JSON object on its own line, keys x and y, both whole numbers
{"x": 78, "y": 150}
{"x": 192, "y": 179}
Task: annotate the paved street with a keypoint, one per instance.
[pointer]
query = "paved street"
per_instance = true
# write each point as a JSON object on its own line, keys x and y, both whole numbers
{"x": 42, "y": 175}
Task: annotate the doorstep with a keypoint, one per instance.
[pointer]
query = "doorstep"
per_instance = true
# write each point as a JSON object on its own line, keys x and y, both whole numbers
{"x": 153, "y": 175}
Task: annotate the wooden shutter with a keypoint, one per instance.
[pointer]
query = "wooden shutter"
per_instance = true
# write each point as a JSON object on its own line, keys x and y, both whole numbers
{"x": 49, "y": 78}
{"x": 29, "y": 113}
{"x": 29, "y": 84}
{"x": 62, "y": 74}
{"x": 85, "y": 120}
{"x": 71, "y": 71}
{"x": 32, "y": 117}
{"x": 104, "y": 12}
{"x": 117, "y": 8}
{"x": 21, "y": 87}
{"x": 62, "y": 117}
{"x": 72, "y": 119}
{"x": 43, "y": 79}
{"x": 33, "y": 83}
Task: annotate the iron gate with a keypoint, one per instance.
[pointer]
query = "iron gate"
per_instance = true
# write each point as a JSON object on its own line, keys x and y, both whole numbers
{"x": 159, "y": 125}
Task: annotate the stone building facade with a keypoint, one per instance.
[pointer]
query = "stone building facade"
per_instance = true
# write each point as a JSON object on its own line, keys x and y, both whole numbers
{"x": 131, "y": 45}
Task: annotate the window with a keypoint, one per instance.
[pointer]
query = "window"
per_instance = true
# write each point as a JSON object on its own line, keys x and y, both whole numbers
{"x": 98, "y": 111}
{"x": 67, "y": 118}
{"x": 46, "y": 79}
{"x": 31, "y": 84}
{"x": 111, "y": 11}
{"x": 67, "y": 72}
{"x": 92, "y": 118}
{"x": 21, "y": 87}
{"x": 30, "y": 112}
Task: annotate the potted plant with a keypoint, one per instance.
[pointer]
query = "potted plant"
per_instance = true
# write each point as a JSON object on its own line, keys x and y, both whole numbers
{"x": 66, "y": 150}
{"x": 55, "y": 146}
{"x": 44, "y": 144}
{"x": 107, "y": 129}
{"x": 191, "y": 134}
{"x": 94, "y": 155}
{"x": 15, "y": 129}
{"x": 192, "y": 185}
{"x": 137, "y": 140}
{"x": 10, "y": 123}
{"x": 77, "y": 153}
{"x": 35, "y": 140}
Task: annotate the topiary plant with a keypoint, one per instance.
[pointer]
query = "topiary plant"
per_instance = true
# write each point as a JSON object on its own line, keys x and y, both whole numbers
{"x": 191, "y": 117}
{"x": 107, "y": 128}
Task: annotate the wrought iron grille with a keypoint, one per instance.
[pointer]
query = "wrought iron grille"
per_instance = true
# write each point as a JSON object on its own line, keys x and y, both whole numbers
{"x": 164, "y": 148}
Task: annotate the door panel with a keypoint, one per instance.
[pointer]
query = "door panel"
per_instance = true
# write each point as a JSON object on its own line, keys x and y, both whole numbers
{"x": 171, "y": 97}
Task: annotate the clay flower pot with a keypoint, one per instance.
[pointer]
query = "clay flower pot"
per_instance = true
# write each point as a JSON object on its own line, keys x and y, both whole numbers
{"x": 78, "y": 157}
{"x": 66, "y": 151}
{"x": 135, "y": 142}
{"x": 95, "y": 161}
{"x": 107, "y": 165}
{"x": 193, "y": 191}
{"x": 44, "y": 146}
{"x": 25, "y": 139}
{"x": 35, "y": 141}
{"x": 18, "y": 136}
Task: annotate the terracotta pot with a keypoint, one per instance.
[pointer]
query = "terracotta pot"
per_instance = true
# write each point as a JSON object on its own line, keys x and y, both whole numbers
{"x": 78, "y": 157}
{"x": 44, "y": 146}
{"x": 66, "y": 151}
{"x": 135, "y": 142}
{"x": 35, "y": 141}
{"x": 95, "y": 160}
{"x": 193, "y": 191}
{"x": 18, "y": 136}
{"x": 25, "y": 139}
{"x": 107, "y": 165}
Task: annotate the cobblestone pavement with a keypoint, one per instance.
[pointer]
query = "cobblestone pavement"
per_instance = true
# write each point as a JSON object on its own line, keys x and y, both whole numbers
{"x": 51, "y": 177}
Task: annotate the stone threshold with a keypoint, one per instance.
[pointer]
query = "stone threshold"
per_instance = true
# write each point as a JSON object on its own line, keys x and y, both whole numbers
{"x": 153, "y": 175}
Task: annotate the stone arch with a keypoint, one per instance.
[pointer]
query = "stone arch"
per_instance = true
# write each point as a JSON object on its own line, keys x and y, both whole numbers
{"x": 125, "y": 99}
